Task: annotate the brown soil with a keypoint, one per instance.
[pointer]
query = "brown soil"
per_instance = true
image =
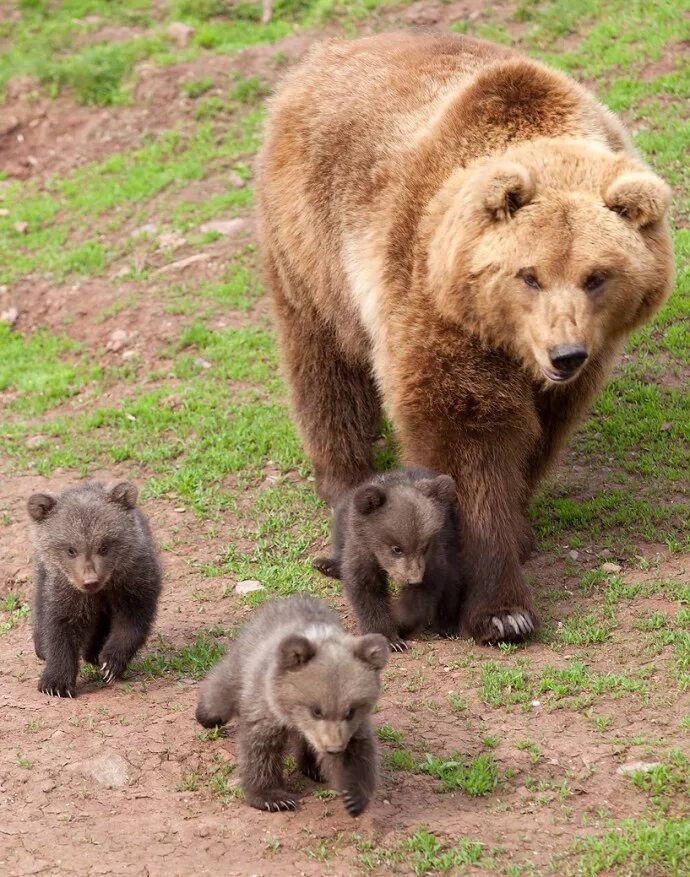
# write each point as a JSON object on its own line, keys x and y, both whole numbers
{"x": 59, "y": 811}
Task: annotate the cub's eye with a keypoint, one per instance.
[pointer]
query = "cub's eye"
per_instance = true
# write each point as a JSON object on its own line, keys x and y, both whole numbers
{"x": 595, "y": 281}
{"x": 104, "y": 549}
{"x": 72, "y": 552}
{"x": 529, "y": 279}
{"x": 316, "y": 712}
{"x": 349, "y": 714}
{"x": 396, "y": 550}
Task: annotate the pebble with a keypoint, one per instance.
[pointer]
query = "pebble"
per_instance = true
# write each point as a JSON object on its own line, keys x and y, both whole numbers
{"x": 248, "y": 586}
{"x": 573, "y": 555}
{"x": 110, "y": 771}
{"x": 225, "y": 226}
{"x": 9, "y": 316}
{"x": 610, "y": 567}
{"x": 638, "y": 767}
{"x": 21, "y": 227}
{"x": 181, "y": 33}
{"x": 117, "y": 340}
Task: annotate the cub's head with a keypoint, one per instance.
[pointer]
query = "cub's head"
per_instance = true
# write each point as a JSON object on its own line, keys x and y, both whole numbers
{"x": 400, "y": 523}
{"x": 326, "y": 683}
{"x": 553, "y": 251}
{"x": 84, "y": 531}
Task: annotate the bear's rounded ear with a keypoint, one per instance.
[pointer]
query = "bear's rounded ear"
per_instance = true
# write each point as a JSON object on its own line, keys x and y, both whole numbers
{"x": 125, "y": 494}
{"x": 373, "y": 649}
{"x": 40, "y": 505}
{"x": 295, "y": 651}
{"x": 368, "y": 498}
{"x": 442, "y": 487}
{"x": 504, "y": 187}
{"x": 638, "y": 196}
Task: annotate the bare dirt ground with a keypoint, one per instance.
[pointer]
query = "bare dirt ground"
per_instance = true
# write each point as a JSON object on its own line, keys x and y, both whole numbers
{"x": 117, "y": 781}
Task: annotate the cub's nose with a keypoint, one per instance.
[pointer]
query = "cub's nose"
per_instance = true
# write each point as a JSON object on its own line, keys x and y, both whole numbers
{"x": 335, "y": 750}
{"x": 91, "y": 584}
{"x": 567, "y": 358}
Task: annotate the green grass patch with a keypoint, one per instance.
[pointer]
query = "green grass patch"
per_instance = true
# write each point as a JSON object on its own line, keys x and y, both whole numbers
{"x": 422, "y": 851}
{"x": 185, "y": 662}
{"x": 12, "y": 612}
{"x": 476, "y": 778}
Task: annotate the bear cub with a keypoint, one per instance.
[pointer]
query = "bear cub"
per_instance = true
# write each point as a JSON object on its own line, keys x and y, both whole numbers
{"x": 97, "y": 584}
{"x": 403, "y": 526}
{"x": 295, "y": 679}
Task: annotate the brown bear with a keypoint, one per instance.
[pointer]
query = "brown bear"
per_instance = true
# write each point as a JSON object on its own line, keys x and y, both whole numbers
{"x": 464, "y": 238}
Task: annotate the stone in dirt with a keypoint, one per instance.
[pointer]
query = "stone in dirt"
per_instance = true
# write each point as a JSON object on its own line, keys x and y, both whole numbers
{"x": 21, "y": 227}
{"x": 181, "y": 33}
{"x": 225, "y": 226}
{"x": 9, "y": 316}
{"x": 117, "y": 340}
{"x": 109, "y": 770}
{"x": 248, "y": 586}
{"x": 638, "y": 767}
{"x": 610, "y": 567}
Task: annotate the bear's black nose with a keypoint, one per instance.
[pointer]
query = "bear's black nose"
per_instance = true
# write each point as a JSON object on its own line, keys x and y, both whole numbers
{"x": 567, "y": 358}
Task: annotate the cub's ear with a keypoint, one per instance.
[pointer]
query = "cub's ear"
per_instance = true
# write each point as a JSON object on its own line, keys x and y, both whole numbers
{"x": 295, "y": 651}
{"x": 442, "y": 488}
{"x": 125, "y": 494}
{"x": 368, "y": 498}
{"x": 638, "y": 196}
{"x": 40, "y": 505}
{"x": 373, "y": 649}
{"x": 502, "y": 188}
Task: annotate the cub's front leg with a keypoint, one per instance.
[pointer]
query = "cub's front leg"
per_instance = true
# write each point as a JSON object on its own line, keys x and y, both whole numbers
{"x": 354, "y": 773}
{"x": 60, "y": 640}
{"x": 366, "y": 586}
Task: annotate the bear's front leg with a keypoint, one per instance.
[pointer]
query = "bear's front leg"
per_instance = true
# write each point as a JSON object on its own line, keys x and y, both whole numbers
{"x": 61, "y": 644}
{"x": 260, "y": 755}
{"x": 130, "y": 624}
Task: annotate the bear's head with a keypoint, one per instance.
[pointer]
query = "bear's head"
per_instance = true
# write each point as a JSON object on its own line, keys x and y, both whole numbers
{"x": 554, "y": 251}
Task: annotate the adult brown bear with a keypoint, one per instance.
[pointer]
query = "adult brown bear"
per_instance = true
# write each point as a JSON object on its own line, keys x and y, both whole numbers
{"x": 464, "y": 237}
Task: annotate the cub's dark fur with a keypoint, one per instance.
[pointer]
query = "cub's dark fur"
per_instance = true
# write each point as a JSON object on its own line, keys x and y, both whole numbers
{"x": 98, "y": 579}
{"x": 403, "y": 525}
{"x": 295, "y": 678}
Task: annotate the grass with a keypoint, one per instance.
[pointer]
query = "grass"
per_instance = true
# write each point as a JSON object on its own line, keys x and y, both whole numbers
{"x": 422, "y": 851}
{"x": 12, "y": 611}
{"x": 186, "y": 662}
{"x": 475, "y": 778}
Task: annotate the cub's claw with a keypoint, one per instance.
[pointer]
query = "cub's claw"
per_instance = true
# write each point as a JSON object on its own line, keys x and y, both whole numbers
{"x": 398, "y": 645}
{"x": 353, "y": 803}
{"x": 505, "y": 626}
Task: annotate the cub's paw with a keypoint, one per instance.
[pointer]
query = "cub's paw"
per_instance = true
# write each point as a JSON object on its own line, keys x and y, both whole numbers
{"x": 272, "y": 801}
{"x": 112, "y": 667}
{"x": 208, "y": 719}
{"x": 310, "y": 768}
{"x": 355, "y": 802}
{"x": 505, "y": 626}
{"x": 328, "y": 566}
{"x": 56, "y": 686}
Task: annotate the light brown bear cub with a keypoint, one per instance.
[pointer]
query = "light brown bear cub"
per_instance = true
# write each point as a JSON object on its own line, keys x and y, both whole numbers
{"x": 295, "y": 678}
{"x": 464, "y": 238}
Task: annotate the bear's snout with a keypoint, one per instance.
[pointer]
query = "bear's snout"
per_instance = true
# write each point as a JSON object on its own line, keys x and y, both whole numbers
{"x": 567, "y": 359}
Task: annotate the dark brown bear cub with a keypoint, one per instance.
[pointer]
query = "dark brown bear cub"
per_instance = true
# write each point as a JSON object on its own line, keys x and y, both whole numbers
{"x": 98, "y": 580}
{"x": 295, "y": 678}
{"x": 401, "y": 525}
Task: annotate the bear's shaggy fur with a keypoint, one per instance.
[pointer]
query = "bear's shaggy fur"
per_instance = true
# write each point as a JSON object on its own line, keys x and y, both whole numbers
{"x": 401, "y": 525}
{"x": 295, "y": 678}
{"x": 97, "y": 585}
{"x": 463, "y": 237}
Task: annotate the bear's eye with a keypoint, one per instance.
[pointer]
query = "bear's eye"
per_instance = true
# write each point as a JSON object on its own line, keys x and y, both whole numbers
{"x": 529, "y": 278}
{"x": 72, "y": 552}
{"x": 396, "y": 550}
{"x": 595, "y": 281}
{"x": 349, "y": 714}
{"x": 104, "y": 549}
{"x": 316, "y": 712}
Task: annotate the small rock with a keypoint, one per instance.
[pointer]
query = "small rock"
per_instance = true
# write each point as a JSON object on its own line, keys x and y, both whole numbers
{"x": 4, "y": 211}
{"x": 665, "y": 427}
{"x": 225, "y": 226}
{"x": 536, "y": 703}
{"x": 248, "y": 586}
{"x": 128, "y": 354}
{"x": 8, "y": 124}
{"x": 573, "y": 555}
{"x": 110, "y": 771}
{"x": 117, "y": 340}
{"x": 21, "y": 227}
{"x": 171, "y": 240}
{"x": 610, "y": 567}
{"x": 181, "y": 509}
{"x": 605, "y": 553}
{"x": 150, "y": 228}
{"x": 35, "y": 441}
{"x": 202, "y": 363}
{"x": 181, "y": 33}
{"x": 638, "y": 767}
{"x": 9, "y": 316}
{"x": 48, "y": 786}
{"x": 236, "y": 181}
